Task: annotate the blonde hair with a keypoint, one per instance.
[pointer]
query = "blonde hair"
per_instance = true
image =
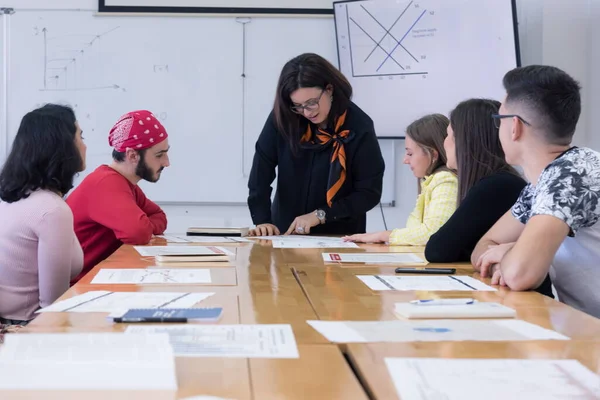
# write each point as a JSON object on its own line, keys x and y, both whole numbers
{"x": 429, "y": 132}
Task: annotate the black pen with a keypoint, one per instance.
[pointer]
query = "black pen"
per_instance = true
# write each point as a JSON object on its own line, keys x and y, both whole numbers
{"x": 133, "y": 320}
{"x": 425, "y": 270}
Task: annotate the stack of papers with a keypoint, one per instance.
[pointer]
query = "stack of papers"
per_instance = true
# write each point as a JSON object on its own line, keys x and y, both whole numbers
{"x": 476, "y": 379}
{"x": 432, "y": 331}
{"x": 185, "y": 253}
{"x": 152, "y": 276}
{"x": 238, "y": 341}
{"x": 203, "y": 239}
{"x": 106, "y": 362}
{"x": 427, "y": 283}
{"x": 105, "y": 301}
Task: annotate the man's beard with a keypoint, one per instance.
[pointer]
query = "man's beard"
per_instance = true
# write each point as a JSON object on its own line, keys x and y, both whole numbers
{"x": 143, "y": 171}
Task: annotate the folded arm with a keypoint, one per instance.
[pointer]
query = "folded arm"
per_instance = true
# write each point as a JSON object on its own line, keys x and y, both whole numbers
{"x": 116, "y": 208}
{"x": 526, "y": 265}
{"x": 59, "y": 255}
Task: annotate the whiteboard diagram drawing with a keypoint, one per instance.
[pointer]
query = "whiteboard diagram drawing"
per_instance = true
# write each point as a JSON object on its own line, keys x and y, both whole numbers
{"x": 385, "y": 42}
{"x": 65, "y": 56}
{"x": 399, "y": 54}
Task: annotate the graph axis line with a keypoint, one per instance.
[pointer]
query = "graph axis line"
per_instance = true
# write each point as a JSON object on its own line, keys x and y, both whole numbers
{"x": 396, "y": 74}
{"x": 349, "y": 40}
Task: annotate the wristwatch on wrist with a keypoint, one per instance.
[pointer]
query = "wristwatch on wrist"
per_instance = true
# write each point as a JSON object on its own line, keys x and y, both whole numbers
{"x": 321, "y": 215}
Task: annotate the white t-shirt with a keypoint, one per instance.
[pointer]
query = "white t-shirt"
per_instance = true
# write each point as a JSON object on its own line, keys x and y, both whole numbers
{"x": 569, "y": 189}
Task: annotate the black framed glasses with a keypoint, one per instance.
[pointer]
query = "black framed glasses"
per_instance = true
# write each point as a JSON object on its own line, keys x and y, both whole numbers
{"x": 310, "y": 105}
{"x": 498, "y": 117}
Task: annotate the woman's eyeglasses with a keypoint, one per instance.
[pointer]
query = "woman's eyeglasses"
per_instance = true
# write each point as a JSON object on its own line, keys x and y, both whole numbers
{"x": 310, "y": 105}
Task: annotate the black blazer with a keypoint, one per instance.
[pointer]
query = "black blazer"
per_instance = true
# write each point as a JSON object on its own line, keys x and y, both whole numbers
{"x": 302, "y": 178}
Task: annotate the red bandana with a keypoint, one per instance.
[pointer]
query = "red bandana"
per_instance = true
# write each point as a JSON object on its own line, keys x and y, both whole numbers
{"x": 136, "y": 130}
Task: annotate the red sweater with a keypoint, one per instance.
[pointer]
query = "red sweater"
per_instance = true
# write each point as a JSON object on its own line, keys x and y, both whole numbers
{"x": 109, "y": 211}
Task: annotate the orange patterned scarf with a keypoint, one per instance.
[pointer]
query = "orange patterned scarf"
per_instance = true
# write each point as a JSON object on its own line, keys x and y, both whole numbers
{"x": 337, "y": 170}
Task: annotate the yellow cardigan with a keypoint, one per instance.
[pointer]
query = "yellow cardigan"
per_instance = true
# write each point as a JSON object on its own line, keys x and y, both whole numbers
{"x": 435, "y": 205}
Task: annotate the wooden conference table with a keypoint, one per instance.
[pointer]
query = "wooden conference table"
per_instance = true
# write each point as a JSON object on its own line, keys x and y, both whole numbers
{"x": 263, "y": 285}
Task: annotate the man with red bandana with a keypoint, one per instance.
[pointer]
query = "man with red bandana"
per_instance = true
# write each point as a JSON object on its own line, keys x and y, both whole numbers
{"x": 109, "y": 208}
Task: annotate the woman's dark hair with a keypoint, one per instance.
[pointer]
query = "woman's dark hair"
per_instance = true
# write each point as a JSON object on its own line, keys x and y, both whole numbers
{"x": 307, "y": 71}
{"x": 43, "y": 155}
{"x": 429, "y": 133}
{"x": 478, "y": 149}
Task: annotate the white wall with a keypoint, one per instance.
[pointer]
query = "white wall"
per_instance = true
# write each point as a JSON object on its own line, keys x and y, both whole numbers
{"x": 566, "y": 45}
{"x": 593, "y": 92}
{"x": 551, "y": 32}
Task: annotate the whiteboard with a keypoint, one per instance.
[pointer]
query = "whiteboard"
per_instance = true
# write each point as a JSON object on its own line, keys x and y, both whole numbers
{"x": 407, "y": 58}
{"x": 255, "y": 6}
{"x": 3, "y": 123}
{"x": 187, "y": 71}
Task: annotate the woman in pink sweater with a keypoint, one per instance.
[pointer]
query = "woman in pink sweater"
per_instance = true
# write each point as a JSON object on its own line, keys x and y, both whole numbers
{"x": 39, "y": 252}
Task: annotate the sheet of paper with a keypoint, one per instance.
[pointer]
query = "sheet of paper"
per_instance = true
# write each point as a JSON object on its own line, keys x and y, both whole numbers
{"x": 103, "y": 301}
{"x": 196, "y": 239}
{"x": 429, "y": 283}
{"x": 205, "y": 398}
{"x": 153, "y": 251}
{"x": 299, "y": 237}
{"x": 473, "y": 310}
{"x": 245, "y": 341}
{"x": 492, "y": 379}
{"x": 312, "y": 244}
{"x": 373, "y": 258}
{"x": 87, "y": 361}
{"x": 152, "y": 276}
{"x": 237, "y": 239}
{"x": 432, "y": 331}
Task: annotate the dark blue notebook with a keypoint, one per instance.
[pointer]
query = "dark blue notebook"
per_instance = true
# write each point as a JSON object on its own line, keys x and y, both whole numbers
{"x": 170, "y": 314}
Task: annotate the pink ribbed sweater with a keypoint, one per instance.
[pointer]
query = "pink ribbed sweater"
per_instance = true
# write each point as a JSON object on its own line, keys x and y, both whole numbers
{"x": 39, "y": 253}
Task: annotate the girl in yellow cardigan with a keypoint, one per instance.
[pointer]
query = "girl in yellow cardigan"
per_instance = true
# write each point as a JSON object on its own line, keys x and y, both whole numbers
{"x": 439, "y": 186}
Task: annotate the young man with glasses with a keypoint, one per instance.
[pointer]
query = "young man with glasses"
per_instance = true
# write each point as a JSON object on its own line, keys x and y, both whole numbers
{"x": 328, "y": 161}
{"x": 554, "y": 225}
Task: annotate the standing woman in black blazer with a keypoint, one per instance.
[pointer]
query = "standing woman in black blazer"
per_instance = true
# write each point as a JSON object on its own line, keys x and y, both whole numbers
{"x": 328, "y": 160}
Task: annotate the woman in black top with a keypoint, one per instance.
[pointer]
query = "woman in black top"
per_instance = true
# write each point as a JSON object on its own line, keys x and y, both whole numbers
{"x": 487, "y": 185}
{"x": 328, "y": 160}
